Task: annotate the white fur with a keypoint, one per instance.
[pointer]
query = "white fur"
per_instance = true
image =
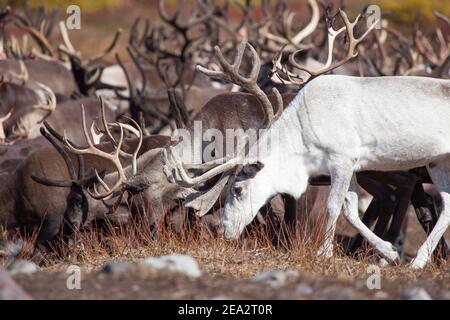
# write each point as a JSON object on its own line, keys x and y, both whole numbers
{"x": 338, "y": 125}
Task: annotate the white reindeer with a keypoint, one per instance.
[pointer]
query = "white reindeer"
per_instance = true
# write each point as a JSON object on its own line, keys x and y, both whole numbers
{"x": 349, "y": 130}
{"x": 339, "y": 125}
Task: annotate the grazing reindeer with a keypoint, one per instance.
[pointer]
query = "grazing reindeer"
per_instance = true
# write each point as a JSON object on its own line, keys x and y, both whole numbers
{"x": 49, "y": 189}
{"x": 341, "y": 135}
{"x": 227, "y": 111}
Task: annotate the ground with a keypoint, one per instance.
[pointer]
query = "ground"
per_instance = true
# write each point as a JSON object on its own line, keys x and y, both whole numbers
{"x": 227, "y": 269}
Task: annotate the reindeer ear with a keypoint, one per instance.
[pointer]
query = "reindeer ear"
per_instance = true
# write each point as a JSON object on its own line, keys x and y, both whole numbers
{"x": 250, "y": 170}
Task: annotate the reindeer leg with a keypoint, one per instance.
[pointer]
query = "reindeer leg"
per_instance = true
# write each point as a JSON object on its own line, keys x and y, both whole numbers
{"x": 425, "y": 209}
{"x": 380, "y": 209}
{"x": 406, "y": 185}
{"x": 340, "y": 175}
{"x": 440, "y": 175}
{"x": 352, "y": 216}
{"x": 344, "y": 193}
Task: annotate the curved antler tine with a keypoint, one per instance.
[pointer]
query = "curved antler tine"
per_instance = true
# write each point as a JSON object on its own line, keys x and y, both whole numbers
{"x": 110, "y": 191}
{"x": 24, "y": 72}
{"x": 109, "y": 48}
{"x": 279, "y": 103}
{"x": 147, "y": 27}
{"x": 256, "y": 63}
{"x": 105, "y": 124}
{"x": 351, "y": 52}
{"x": 131, "y": 90}
{"x": 210, "y": 73}
{"x": 312, "y": 25}
{"x": 293, "y": 58}
{"x": 71, "y": 147}
{"x": 140, "y": 69}
{"x": 91, "y": 79}
{"x": 133, "y": 39}
{"x": 163, "y": 13}
{"x": 62, "y": 152}
{"x": 3, "y": 119}
{"x": 51, "y": 182}
{"x": 139, "y": 145}
{"x": 66, "y": 39}
{"x": 239, "y": 55}
{"x": 53, "y": 132}
{"x": 85, "y": 130}
{"x": 51, "y": 107}
{"x": 119, "y": 144}
{"x": 101, "y": 181}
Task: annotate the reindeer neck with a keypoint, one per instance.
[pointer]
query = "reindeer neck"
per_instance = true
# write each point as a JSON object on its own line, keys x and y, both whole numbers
{"x": 285, "y": 136}
{"x": 284, "y": 162}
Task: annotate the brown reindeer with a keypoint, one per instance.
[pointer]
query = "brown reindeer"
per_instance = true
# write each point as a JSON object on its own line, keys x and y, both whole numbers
{"x": 48, "y": 192}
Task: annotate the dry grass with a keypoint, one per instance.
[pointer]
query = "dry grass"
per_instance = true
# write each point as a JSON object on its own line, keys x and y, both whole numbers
{"x": 253, "y": 254}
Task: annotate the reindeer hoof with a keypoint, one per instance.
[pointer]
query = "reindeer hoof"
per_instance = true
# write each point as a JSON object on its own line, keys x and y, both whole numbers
{"x": 392, "y": 255}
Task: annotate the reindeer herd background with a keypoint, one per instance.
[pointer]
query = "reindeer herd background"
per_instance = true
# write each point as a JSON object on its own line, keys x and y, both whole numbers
{"x": 84, "y": 140}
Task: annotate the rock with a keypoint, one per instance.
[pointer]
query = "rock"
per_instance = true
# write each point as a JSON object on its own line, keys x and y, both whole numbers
{"x": 275, "y": 278}
{"x": 220, "y": 297}
{"x": 416, "y": 294}
{"x": 381, "y": 295}
{"x": 9, "y": 289}
{"x": 117, "y": 267}
{"x": 174, "y": 263}
{"x": 22, "y": 266}
{"x": 304, "y": 290}
{"x": 383, "y": 263}
{"x": 10, "y": 249}
{"x": 340, "y": 293}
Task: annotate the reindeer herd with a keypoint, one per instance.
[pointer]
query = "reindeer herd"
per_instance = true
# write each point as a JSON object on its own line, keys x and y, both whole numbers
{"x": 83, "y": 140}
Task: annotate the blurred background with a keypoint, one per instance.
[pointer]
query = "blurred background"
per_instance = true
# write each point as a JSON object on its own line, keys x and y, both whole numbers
{"x": 100, "y": 18}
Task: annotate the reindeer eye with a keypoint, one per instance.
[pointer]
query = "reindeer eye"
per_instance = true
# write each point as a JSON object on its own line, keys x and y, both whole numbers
{"x": 237, "y": 191}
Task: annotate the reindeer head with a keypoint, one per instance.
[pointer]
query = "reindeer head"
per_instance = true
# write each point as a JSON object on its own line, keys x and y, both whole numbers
{"x": 81, "y": 207}
{"x": 247, "y": 194}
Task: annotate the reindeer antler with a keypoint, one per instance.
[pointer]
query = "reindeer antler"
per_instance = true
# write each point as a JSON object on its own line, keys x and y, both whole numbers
{"x": 39, "y": 29}
{"x": 231, "y": 74}
{"x": 287, "y": 39}
{"x": 329, "y": 65}
{"x": 114, "y": 157}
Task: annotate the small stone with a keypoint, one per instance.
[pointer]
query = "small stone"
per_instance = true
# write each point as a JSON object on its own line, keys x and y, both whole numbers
{"x": 221, "y": 297}
{"x": 22, "y": 266}
{"x": 304, "y": 290}
{"x": 383, "y": 263}
{"x": 117, "y": 267}
{"x": 174, "y": 263}
{"x": 9, "y": 289}
{"x": 11, "y": 249}
{"x": 275, "y": 278}
{"x": 416, "y": 294}
{"x": 381, "y": 295}
{"x": 340, "y": 293}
